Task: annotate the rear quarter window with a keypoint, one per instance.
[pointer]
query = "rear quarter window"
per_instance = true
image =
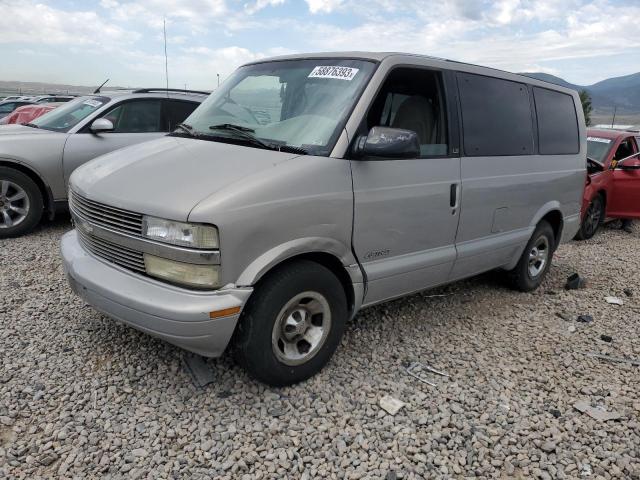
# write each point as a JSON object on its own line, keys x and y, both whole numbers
{"x": 496, "y": 116}
{"x": 557, "y": 122}
{"x": 177, "y": 111}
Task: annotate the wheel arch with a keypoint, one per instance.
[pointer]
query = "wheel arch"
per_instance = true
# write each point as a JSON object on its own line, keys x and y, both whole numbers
{"x": 326, "y": 252}
{"x": 47, "y": 194}
{"x": 555, "y": 219}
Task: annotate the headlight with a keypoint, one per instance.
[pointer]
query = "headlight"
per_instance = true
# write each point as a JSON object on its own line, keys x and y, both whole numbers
{"x": 179, "y": 233}
{"x": 200, "y": 276}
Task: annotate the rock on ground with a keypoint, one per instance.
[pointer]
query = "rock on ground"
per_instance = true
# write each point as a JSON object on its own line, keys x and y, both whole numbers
{"x": 82, "y": 396}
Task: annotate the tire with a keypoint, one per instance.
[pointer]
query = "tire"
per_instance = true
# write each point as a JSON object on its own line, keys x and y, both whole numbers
{"x": 593, "y": 218}
{"x": 269, "y": 342}
{"x": 529, "y": 272}
{"x": 21, "y": 203}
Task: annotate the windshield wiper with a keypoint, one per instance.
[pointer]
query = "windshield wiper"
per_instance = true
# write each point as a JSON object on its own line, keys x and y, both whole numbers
{"x": 187, "y": 128}
{"x": 245, "y": 132}
{"x": 32, "y": 125}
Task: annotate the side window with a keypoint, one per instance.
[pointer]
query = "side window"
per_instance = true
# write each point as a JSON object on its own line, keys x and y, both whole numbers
{"x": 137, "y": 116}
{"x": 496, "y": 116}
{"x": 557, "y": 122}
{"x": 7, "y": 107}
{"x": 176, "y": 111}
{"x": 412, "y": 99}
{"x": 625, "y": 149}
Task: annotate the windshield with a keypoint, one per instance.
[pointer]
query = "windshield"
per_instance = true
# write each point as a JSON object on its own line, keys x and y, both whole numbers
{"x": 64, "y": 118}
{"x": 597, "y": 148}
{"x": 295, "y": 103}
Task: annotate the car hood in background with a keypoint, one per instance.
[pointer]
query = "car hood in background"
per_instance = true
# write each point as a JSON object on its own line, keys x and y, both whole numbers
{"x": 167, "y": 177}
{"x": 21, "y": 130}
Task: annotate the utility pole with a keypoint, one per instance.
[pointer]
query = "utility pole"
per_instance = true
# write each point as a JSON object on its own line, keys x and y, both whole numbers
{"x": 613, "y": 121}
{"x": 218, "y": 78}
{"x": 166, "y": 62}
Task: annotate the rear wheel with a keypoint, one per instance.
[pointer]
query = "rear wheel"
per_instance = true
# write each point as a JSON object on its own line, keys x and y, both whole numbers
{"x": 535, "y": 260}
{"x": 20, "y": 203}
{"x": 593, "y": 218}
{"x": 292, "y": 324}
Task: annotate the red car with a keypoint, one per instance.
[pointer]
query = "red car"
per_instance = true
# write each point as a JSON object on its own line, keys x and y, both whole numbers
{"x": 28, "y": 112}
{"x": 613, "y": 180}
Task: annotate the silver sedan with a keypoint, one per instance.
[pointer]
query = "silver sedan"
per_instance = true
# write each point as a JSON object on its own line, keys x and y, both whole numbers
{"x": 36, "y": 159}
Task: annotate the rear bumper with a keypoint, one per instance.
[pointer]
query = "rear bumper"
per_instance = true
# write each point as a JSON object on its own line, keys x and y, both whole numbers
{"x": 176, "y": 315}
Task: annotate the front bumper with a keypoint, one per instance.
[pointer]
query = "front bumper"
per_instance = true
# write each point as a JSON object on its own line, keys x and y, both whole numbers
{"x": 176, "y": 315}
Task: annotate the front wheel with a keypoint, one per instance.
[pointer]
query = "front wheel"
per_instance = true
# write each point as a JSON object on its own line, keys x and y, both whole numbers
{"x": 20, "y": 203}
{"x": 592, "y": 220}
{"x": 535, "y": 260}
{"x": 292, "y": 324}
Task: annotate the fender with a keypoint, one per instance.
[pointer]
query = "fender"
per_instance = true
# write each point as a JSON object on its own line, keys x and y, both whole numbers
{"x": 300, "y": 246}
{"x": 49, "y": 200}
{"x": 544, "y": 209}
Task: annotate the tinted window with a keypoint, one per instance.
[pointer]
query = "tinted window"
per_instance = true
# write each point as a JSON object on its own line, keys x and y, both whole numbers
{"x": 138, "y": 116}
{"x": 177, "y": 111}
{"x": 496, "y": 116}
{"x": 7, "y": 107}
{"x": 557, "y": 122}
{"x": 411, "y": 99}
{"x": 625, "y": 149}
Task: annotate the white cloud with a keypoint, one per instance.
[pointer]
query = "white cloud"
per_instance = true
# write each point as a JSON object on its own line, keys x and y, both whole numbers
{"x": 498, "y": 35}
{"x": 258, "y": 5}
{"x": 572, "y": 37}
{"x": 323, "y": 6}
{"x": 152, "y": 12}
{"x": 35, "y": 23}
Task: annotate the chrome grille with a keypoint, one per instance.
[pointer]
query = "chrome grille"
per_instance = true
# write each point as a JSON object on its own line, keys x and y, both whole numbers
{"x": 106, "y": 216}
{"x": 123, "y": 256}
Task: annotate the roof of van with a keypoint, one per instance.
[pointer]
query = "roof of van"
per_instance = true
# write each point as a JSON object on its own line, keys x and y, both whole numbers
{"x": 380, "y": 56}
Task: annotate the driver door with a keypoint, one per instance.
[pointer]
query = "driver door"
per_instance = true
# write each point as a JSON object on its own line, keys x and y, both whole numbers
{"x": 625, "y": 194}
{"x": 134, "y": 121}
{"x": 406, "y": 211}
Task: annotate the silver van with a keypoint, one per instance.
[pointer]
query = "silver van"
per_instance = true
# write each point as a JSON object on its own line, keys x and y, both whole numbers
{"x": 310, "y": 186}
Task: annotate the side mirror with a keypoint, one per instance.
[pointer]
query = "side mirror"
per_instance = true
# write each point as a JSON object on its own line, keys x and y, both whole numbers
{"x": 102, "y": 125}
{"x": 386, "y": 142}
{"x": 631, "y": 162}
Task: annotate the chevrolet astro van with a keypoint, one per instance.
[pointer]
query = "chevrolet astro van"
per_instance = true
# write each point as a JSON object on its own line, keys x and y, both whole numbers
{"x": 310, "y": 186}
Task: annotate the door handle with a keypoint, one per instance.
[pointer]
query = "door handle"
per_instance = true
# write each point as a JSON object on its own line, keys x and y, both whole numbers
{"x": 453, "y": 195}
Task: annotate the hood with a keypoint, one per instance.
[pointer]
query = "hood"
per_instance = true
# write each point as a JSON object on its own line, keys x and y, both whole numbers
{"x": 21, "y": 130}
{"x": 167, "y": 177}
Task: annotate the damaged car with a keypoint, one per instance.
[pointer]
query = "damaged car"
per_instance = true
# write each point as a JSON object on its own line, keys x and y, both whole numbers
{"x": 612, "y": 189}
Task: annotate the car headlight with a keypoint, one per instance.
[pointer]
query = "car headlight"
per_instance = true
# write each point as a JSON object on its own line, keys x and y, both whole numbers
{"x": 180, "y": 233}
{"x": 187, "y": 274}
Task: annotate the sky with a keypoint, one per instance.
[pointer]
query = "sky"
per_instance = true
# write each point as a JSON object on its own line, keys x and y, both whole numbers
{"x": 85, "y": 42}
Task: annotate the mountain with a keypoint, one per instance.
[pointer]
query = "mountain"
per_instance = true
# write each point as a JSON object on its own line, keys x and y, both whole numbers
{"x": 551, "y": 79}
{"x": 621, "y": 92}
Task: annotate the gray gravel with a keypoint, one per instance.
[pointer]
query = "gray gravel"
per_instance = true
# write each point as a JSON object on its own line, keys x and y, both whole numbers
{"x": 81, "y": 396}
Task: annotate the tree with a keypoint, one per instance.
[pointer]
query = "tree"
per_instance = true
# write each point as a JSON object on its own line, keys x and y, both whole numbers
{"x": 585, "y": 99}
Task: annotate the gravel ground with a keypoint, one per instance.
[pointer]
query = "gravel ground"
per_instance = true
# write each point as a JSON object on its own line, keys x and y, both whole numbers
{"x": 82, "y": 396}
